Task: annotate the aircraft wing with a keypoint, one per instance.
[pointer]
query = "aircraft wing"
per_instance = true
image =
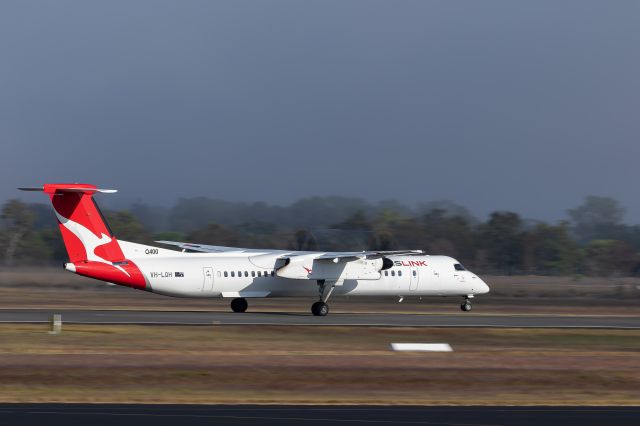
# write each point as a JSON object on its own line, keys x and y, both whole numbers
{"x": 366, "y": 254}
{"x": 308, "y": 265}
{"x": 203, "y": 248}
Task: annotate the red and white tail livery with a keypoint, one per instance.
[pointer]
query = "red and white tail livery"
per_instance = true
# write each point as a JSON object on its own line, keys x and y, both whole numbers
{"x": 240, "y": 273}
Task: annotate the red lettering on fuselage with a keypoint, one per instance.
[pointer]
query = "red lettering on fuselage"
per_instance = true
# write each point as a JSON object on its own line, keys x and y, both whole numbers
{"x": 411, "y": 263}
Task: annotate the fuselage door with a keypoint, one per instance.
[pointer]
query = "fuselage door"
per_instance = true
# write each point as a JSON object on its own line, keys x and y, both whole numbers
{"x": 414, "y": 277}
{"x": 207, "y": 283}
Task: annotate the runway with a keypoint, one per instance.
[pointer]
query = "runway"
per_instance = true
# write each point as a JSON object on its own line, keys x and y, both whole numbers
{"x": 159, "y": 415}
{"x": 299, "y": 319}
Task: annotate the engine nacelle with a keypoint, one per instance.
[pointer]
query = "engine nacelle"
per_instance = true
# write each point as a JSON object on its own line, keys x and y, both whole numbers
{"x": 306, "y": 267}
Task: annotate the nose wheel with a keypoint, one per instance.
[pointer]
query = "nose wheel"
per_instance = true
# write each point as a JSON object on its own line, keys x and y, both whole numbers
{"x": 239, "y": 304}
{"x": 466, "y": 306}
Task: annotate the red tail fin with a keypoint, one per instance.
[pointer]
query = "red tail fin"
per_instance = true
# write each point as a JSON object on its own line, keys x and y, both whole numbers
{"x": 85, "y": 233}
{"x": 93, "y": 250}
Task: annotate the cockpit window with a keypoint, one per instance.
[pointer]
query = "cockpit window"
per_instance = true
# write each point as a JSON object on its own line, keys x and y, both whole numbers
{"x": 459, "y": 267}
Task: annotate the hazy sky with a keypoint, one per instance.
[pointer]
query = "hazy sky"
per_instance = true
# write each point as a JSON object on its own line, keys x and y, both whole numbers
{"x": 520, "y": 105}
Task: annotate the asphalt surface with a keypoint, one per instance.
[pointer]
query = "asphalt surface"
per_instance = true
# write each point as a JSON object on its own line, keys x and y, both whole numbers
{"x": 464, "y": 319}
{"x": 194, "y": 415}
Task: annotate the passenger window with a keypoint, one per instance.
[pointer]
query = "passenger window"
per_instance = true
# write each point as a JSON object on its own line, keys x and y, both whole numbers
{"x": 225, "y": 274}
{"x": 273, "y": 273}
{"x": 386, "y": 273}
{"x": 393, "y": 273}
{"x": 233, "y": 274}
{"x": 239, "y": 274}
{"x": 459, "y": 267}
{"x": 253, "y": 273}
{"x": 415, "y": 274}
{"x": 246, "y": 274}
{"x": 399, "y": 273}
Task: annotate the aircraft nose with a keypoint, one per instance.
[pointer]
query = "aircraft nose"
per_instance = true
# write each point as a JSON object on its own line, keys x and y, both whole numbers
{"x": 483, "y": 288}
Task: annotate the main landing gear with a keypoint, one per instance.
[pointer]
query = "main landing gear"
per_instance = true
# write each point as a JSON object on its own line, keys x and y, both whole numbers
{"x": 320, "y": 308}
{"x": 466, "y": 306}
{"x": 239, "y": 304}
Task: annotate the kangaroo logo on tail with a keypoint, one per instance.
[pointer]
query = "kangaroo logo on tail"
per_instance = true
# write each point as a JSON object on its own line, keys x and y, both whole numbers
{"x": 89, "y": 240}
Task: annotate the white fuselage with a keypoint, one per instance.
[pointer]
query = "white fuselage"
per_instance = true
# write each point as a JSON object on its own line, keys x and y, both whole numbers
{"x": 253, "y": 274}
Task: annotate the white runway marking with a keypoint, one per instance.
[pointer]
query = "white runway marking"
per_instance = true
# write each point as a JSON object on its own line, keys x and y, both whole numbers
{"x": 422, "y": 347}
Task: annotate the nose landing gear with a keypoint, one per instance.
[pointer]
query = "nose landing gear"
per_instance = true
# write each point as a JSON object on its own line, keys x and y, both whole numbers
{"x": 466, "y": 306}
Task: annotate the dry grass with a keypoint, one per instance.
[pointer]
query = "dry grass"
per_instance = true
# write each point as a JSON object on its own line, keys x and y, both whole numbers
{"x": 271, "y": 364}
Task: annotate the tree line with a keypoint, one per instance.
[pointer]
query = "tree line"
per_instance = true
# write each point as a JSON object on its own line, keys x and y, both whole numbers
{"x": 593, "y": 240}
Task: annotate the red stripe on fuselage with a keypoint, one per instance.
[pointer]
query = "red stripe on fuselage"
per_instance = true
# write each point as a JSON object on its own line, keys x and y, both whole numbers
{"x": 112, "y": 274}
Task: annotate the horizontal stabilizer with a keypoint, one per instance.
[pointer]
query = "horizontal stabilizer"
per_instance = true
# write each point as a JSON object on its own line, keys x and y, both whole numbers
{"x": 50, "y": 188}
{"x": 33, "y": 188}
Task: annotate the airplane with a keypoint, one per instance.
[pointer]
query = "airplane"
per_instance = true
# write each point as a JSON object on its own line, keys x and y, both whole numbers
{"x": 205, "y": 271}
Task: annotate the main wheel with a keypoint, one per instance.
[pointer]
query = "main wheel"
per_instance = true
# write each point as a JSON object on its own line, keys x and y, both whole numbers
{"x": 320, "y": 309}
{"x": 466, "y": 306}
{"x": 239, "y": 304}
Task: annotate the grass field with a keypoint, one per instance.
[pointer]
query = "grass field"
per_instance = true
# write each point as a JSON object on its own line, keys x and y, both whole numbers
{"x": 325, "y": 365}
{"x": 271, "y": 364}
